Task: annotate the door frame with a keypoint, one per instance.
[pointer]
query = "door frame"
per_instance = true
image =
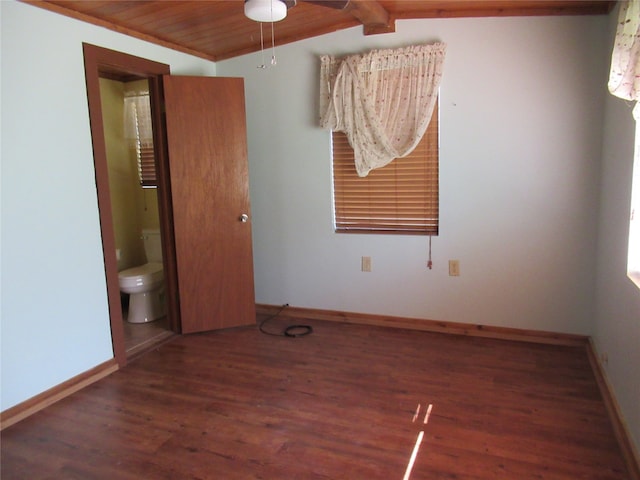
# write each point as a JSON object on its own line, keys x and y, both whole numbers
{"x": 101, "y": 62}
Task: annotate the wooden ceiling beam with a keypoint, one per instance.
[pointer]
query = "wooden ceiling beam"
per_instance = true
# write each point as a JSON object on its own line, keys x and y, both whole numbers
{"x": 370, "y": 13}
{"x": 374, "y": 18}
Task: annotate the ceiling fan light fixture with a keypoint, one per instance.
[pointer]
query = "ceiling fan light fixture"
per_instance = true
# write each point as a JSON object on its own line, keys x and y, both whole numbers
{"x": 265, "y": 10}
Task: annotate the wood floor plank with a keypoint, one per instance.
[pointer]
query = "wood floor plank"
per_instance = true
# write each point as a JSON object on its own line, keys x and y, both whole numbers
{"x": 338, "y": 404}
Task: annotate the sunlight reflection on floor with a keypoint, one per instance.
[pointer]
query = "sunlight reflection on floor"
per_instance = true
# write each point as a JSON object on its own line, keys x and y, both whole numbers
{"x": 416, "y": 448}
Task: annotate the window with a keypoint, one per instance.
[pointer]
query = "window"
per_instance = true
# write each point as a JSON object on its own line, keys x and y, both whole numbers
{"x": 146, "y": 164}
{"x": 400, "y": 198}
{"x": 633, "y": 261}
{"x": 138, "y": 128}
{"x": 624, "y": 82}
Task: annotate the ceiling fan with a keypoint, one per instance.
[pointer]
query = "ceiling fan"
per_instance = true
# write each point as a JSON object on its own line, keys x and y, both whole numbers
{"x": 374, "y": 18}
{"x": 267, "y": 10}
{"x": 370, "y": 13}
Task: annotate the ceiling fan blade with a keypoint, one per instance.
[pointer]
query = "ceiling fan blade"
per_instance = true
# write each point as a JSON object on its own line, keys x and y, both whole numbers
{"x": 335, "y": 4}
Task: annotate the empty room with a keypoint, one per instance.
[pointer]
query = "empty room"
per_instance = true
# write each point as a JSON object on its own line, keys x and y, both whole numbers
{"x": 266, "y": 252}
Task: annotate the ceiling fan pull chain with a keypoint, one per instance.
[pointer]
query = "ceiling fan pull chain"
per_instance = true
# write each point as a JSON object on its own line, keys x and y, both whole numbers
{"x": 262, "y": 47}
{"x": 273, "y": 47}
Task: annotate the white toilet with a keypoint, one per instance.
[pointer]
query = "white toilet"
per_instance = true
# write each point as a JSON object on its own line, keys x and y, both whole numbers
{"x": 145, "y": 284}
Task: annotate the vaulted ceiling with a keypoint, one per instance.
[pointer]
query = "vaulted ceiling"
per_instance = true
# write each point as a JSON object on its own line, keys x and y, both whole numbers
{"x": 218, "y": 29}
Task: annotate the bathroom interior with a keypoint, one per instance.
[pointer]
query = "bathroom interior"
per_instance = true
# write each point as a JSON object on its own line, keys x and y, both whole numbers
{"x": 135, "y": 221}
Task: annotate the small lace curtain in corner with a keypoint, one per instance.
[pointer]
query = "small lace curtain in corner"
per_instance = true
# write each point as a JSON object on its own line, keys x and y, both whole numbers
{"x": 382, "y": 100}
{"x": 137, "y": 117}
{"x": 624, "y": 78}
{"x": 139, "y": 130}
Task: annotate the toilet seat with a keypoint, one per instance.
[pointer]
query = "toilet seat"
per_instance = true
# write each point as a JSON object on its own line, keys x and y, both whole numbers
{"x": 146, "y": 274}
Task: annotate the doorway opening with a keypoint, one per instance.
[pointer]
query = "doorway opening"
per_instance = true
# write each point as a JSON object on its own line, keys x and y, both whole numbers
{"x": 134, "y": 206}
{"x": 127, "y": 210}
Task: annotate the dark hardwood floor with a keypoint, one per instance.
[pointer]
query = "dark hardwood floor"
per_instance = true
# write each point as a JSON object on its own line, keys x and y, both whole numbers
{"x": 141, "y": 337}
{"x": 341, "y": 403}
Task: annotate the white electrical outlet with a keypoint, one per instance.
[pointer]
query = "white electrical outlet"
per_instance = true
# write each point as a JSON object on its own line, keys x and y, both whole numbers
{"x": 454, "y": 268}
{"x": 366, "y": 264}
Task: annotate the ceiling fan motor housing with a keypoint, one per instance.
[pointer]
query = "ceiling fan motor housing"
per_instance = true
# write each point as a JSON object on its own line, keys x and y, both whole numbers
{"x": 267, "y": 10}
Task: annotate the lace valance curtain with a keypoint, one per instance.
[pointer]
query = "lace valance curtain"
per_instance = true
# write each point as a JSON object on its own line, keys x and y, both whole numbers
{"x": 382, "y": 100}
{"x": 138, "y": 129}
{"x": 624, "y": 78}
{"x": 137, "y": 118}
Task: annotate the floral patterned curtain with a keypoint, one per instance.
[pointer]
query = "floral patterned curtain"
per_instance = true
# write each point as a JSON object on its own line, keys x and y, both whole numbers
{"x": 382, "y": 100}
{"x": 624, "y": 78}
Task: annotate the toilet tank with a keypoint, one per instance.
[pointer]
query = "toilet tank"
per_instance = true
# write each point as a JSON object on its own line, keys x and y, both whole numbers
{"x": 152, "y": 245}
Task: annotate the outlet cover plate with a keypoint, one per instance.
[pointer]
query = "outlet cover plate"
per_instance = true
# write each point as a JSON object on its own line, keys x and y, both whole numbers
{"x": 366, "y": 264}
{"x": 454, "y": 268}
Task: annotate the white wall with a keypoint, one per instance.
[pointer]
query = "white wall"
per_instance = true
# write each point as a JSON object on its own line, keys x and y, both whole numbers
{"x": 521, "y": 128}
{"x": 617, "y": 320}
{"x": 55, "y": 319}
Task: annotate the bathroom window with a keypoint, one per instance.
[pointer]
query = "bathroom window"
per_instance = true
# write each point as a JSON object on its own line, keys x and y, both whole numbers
{"x": 138, "y": 128}
{"x": 146, "y": 165}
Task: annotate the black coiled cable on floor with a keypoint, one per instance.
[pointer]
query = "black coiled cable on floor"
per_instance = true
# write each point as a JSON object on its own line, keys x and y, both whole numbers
{"x": 292, "y": 331}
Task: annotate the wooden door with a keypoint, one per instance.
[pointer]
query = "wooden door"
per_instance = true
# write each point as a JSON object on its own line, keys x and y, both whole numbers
{"x": 206, "y": 136}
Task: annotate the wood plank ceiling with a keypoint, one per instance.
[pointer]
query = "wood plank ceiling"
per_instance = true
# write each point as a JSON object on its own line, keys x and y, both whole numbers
{"x": 217, "y": 29}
